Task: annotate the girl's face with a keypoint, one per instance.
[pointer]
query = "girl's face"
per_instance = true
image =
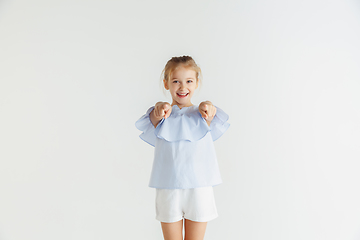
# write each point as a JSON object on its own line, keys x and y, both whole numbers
{"x": 182, "y": 86}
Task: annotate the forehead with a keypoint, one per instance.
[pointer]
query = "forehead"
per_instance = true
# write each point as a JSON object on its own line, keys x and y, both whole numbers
{"x": 182, "y": 72}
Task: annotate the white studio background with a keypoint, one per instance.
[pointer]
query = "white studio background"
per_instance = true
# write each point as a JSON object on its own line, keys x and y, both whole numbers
{"x": 76, "y": 75}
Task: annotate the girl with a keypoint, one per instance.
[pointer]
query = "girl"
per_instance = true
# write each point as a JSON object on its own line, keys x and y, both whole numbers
{"x": 185, "y": 167}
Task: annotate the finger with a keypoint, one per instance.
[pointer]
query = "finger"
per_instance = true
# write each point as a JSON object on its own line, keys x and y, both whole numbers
{"x": 167, "y": 114}
{"x": 155, "y": 112}
{"x": 204, "y": 115}
{"x": 166, "y": 107}
{"x": 169, "y": 111}
{"x": 212, "y": 113}
{"x": 212, "y": 110}
{"x": 204, "y": 107}
{"x": 204, "y": 112}
{"x": 158, "y": 112}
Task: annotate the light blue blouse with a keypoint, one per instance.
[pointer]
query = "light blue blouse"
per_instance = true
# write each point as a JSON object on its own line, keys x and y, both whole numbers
{"x": 184, "y": 150}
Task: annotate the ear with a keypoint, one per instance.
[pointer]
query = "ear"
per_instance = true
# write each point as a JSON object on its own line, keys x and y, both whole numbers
{"x": 197, "y": 83}
{"x": 166, "y": 85}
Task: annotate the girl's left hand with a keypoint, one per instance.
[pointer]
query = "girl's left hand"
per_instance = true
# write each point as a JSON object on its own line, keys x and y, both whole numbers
{"x": 207, "y": 111}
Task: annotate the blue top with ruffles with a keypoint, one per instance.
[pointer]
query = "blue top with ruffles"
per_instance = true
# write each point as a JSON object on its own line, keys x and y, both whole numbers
{"x": 184, "y": 150}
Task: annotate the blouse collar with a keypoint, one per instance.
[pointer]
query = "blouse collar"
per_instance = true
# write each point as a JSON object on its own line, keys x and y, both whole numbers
{"x": 176, "y": 108}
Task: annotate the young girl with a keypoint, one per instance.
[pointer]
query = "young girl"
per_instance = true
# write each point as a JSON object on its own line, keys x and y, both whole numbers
{"x": 185, "y": 167}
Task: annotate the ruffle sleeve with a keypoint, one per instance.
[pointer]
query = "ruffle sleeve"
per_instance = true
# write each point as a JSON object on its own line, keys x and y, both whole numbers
{"x": 219, "y": 124}
{"x": 145, "y": 125}
{"x": 189, "y": 126}
{"x": 182, "y": 126}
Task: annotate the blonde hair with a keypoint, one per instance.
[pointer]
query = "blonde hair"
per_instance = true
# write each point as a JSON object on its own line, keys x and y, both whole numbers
{"x": 176, "y": 62}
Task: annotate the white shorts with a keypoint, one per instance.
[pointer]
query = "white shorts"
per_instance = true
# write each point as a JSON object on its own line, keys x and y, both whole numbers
{"x": 195, "y": 204}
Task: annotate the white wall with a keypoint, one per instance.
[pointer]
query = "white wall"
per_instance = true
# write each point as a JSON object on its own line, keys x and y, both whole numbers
{"x": 76, "y": 75}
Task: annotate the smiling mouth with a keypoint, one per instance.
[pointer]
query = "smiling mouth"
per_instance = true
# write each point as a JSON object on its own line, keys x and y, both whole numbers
{"x": 182, "y": 95}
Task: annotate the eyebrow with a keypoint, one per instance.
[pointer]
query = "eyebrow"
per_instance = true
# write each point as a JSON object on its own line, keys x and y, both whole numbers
{"x": 176, "y": 78}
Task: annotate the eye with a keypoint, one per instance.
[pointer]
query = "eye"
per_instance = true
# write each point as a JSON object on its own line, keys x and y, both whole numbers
{"x": 190, "y": 81}
{"x": 175, "y": 81}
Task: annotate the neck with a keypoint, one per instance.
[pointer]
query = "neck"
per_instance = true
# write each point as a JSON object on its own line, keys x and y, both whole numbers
{"x": 189, "y": 104}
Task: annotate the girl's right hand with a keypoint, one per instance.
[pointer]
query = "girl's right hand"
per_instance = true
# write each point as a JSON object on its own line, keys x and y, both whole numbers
{"x": 162, "y": 110}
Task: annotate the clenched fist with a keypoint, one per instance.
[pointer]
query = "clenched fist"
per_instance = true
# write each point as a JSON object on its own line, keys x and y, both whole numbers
{"x": 207, "y": 111}
{"x": 161, "y": 110}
